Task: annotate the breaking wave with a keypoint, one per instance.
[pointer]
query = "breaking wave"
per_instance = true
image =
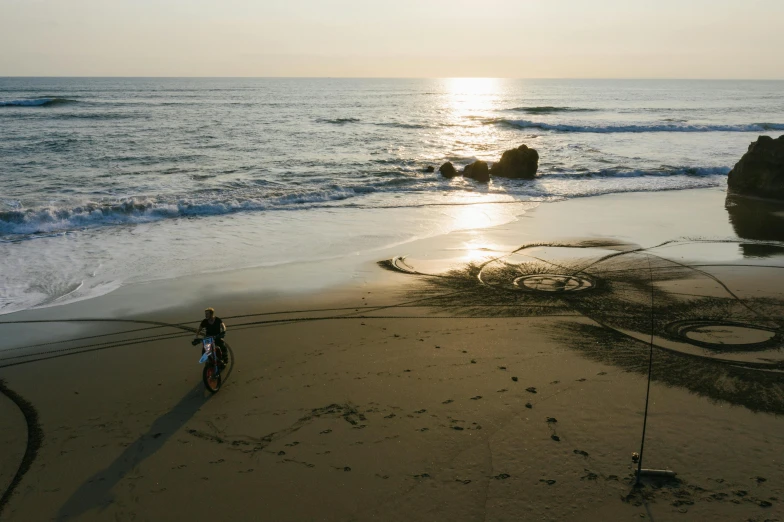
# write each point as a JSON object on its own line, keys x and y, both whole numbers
{"x": 17, "y": 222}
{"x": 146, "y": 210}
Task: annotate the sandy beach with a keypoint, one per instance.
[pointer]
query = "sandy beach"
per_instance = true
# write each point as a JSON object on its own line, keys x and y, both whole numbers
{"x": 488, "y": 374}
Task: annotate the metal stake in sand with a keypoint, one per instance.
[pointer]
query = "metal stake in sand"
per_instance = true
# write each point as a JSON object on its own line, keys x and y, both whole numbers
{"x": 664, "y": 473}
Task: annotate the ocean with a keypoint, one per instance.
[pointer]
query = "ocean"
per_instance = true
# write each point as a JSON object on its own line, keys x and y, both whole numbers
{"x": 112, "y": 181}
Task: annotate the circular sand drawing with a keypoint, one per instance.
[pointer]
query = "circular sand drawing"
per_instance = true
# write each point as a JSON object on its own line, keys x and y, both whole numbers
{"x": 725, "y": 335}
{"x": 554, "y": 283}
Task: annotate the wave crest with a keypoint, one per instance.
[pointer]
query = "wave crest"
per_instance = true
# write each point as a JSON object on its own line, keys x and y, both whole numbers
{"x": 35, "y": 102}
{"x": 637, "y": 128}
{"x": 664, "y": 171}
{"x": 548, "y": 109}
{"x": 145, "y": 210}
{"x": 338, "y": 121}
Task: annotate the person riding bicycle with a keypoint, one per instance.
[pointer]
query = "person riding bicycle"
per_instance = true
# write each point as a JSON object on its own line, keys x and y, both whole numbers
{"x": 214, "y": 327}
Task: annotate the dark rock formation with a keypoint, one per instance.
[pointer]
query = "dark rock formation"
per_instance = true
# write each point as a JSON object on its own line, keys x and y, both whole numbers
{"x": 521, "y": 162}
{"x": 430, "y": 168}
{"x": 760, "y": 172}
{"x": 478, "y": 171}
{"x": 448, "y": 170}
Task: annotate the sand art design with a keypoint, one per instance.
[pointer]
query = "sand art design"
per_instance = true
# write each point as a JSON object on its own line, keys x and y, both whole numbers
{"x": 554, "y": 283}
{"x": 726, "y": 336}
{"x": 719, "y": 339}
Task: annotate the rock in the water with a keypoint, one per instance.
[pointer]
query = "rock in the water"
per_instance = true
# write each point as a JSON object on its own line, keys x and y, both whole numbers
{"x": 521, "y": 162}
{"x": 478, "y": 171}
{"x": 448, "y": 170}
{"x": 430, "y": 168}
{"x": 760, "y": 172}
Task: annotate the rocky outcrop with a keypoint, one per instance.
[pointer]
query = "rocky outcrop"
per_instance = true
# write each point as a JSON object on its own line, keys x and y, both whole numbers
{"x": 448, "y": 170}
{"x": 430, "y": 168}
{"x": 478, "y": 171}
{"x": 519, "y": 163}
{"x": 760, "y": 172}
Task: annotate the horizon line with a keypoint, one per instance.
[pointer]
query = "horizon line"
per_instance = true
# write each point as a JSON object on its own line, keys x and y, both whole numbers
{"x": 648, "y": 78}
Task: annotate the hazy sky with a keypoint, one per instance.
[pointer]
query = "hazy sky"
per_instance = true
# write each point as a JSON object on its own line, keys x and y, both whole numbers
{"x": 390, "y": 38}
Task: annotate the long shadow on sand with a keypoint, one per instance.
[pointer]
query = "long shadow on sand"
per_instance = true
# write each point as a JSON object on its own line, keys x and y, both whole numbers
{"x": 96, "y": 492}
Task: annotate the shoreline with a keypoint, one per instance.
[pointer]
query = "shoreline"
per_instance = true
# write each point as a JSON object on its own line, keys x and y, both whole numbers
{"x": 335, "y": 264}
{"x": 398, "y": 396}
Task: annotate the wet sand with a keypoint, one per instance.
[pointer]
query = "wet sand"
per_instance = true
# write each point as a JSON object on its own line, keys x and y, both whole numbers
{"x": 507, "y": 383}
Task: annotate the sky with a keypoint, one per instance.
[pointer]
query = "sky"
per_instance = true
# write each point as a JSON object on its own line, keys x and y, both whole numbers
{"x": 394, "y": 38}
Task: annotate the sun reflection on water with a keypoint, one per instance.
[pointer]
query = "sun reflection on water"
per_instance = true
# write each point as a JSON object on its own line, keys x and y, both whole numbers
{"x": 470, "y": 105}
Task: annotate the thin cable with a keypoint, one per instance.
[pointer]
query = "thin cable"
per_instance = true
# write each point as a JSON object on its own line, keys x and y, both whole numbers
{"x": 648, "y": 392}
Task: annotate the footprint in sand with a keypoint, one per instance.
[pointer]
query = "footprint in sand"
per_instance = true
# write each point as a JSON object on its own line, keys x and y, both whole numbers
{"x": 390, "y": 416}
{"x": 556, "y": 438}
{"x": 531, "y": 389}
{"x": 552, "y": 420}
{"x": 549, "y": 482}
{"x": 326, "y": 432}
{"x": 476, "y": 398}
{"x": 514, "y": 379}
{"x": 529, "y": 405}
{"x": 447, "y": 401}
{"x": 582, "y": 380}
{"x": 581, "y": 452}
{"x": 420, "y": 411}
{"x": 291, "y": 444}
{"x": 502, "y": 476}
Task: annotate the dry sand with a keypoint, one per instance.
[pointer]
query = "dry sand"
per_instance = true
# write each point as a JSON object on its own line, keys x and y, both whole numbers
{"x": 405, "y": 397}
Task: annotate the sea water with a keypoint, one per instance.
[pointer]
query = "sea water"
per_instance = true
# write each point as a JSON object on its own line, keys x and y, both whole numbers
{"x": 106, "y": 182}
